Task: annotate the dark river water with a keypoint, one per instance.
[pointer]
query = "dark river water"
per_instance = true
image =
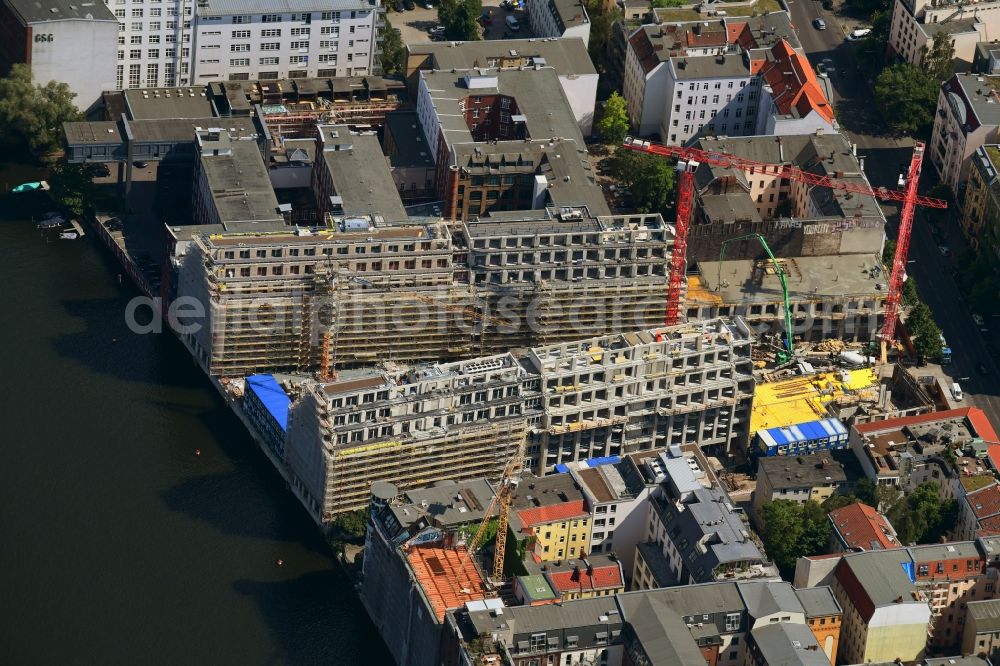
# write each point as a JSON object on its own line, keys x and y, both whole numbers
{"x": 119, "y": 545}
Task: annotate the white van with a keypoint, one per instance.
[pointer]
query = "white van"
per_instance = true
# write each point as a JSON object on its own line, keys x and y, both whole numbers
{"x": 859, "y": 33}
{"x": 512, "y": 24}
{"x": 956, "y": 392}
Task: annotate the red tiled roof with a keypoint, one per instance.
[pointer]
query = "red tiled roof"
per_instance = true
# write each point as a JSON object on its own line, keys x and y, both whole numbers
{"x": 993, "y": 453}
{"x": 793, "y": 83}
{"x": 977, "y": 419}
{"x": 985, "y": 502}
{"x": 552, "y": 513}
{"x": 448, "y": 576}
{"x": 989, "y": 526}
{"x": 861, "y": 526}
{"x": 599, "y": 578}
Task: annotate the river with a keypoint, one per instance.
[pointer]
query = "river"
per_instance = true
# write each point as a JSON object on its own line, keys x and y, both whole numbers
{"x": 120, "y": 545}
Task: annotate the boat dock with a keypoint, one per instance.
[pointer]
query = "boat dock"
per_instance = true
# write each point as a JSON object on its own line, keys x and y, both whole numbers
{"x": 77, "y": 227}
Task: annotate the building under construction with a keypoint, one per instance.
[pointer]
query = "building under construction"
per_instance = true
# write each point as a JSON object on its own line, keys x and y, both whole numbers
{"x": 603, "y": 396}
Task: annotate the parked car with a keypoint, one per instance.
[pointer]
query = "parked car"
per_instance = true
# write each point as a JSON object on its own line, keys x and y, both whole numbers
{"x": 436, "y": 30}
{"x": 819, "y": 24}
{"x": 860, "y": 33}
{"x": 102, "y": 170}
{"x": 140, "y": 164}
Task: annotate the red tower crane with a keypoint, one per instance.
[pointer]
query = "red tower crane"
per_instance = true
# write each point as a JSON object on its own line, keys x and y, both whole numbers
{"x": 690, "y": 158}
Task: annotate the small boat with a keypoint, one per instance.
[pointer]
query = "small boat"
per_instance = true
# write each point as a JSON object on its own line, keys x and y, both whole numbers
{"x": 69, "y": 235}
{"x": 51, "y": 222}
{"x": 36, "y": 186}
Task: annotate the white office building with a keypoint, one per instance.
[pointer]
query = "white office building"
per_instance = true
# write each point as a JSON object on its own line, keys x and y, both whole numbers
{"x": 181, "y": 42}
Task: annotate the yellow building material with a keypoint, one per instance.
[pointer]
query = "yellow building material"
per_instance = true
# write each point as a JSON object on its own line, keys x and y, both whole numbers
{"x": 801, "y": 399}
{"x": 699, "y": 293}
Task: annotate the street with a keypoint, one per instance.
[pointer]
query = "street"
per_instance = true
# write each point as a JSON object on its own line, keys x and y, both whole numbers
{"x": 883, "y": 157}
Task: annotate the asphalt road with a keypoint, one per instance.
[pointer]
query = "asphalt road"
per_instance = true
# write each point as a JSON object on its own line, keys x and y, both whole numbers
{"x": 883, "y": 158}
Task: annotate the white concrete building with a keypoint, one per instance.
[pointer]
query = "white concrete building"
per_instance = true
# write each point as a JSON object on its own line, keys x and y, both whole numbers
{"x": 73, "y": 43}
{"x": 917, "y": 23}
{"x": 723, "y": 78}
{"x": 182, "y": 43}
{"x": 289, "y": 39}
{"x": 559, "y": 18}
{"x": 967, "y": 117}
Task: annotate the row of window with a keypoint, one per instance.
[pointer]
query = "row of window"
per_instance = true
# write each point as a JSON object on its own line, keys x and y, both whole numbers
{"x": 306, "y": 17}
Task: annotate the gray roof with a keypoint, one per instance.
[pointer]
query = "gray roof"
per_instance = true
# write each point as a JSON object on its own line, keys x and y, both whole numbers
{"x": 657, "y": 563}
{"x": 730, "y": 65}
{"x": 545, "y": 491}
{"x": 807, "y": 278}
{"x": 240, "y": 185}
{"x": 788, "y": 644}
{"x": 446, "y": 503}
{"x": 407, "y": 139}
{"x": 699, "y": 599}
{"x": 981, "y": 94}
{"x": 40, "y": 11}
{"x": 361, "y": 175}
{"x": 168, "y": 103}
{"x": 551, "y": 617}
{"x": 818, "y": 601}
{"x": 538, "y": 94}
{"x": 881, "y": 574}
{"x": 569, "y": 12}
{"x": 986, "y": 613}
{"x": 231, "y": 7}
{"x": 170, "y": 130}
{"x": 660, "y": 629}
{"x": 729, "y": 207}
{"x": 954, "y": 550}
{"x": 801, "y": 471}
{"x": 764, "y": 598}
{"x": 957, "y": 661}
{"x": 567, "y": 55}
{"x": 953, "y": 27}
{"x": 823, "y": 154}
{"x": 97, "y": 132}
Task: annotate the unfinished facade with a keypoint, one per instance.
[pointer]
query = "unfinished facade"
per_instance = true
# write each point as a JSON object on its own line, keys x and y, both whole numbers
{"x": 455, "y": 421}
{"x": 630, "y": 392}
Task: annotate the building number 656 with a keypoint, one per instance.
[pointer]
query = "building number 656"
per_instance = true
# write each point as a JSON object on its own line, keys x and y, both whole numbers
{"x": 45, "y": 37}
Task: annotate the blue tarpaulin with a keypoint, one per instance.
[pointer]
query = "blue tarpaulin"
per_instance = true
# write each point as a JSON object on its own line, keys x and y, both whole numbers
{"x": 271, "y": 395}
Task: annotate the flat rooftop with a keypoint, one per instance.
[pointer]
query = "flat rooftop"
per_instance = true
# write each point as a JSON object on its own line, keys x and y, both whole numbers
{"x": 41, "y": 11}
{"x": 447, "y": 503}
{"x": 568, "y": 55}
{"x": 230, "y": 7}
{"x": 410, "y": 146}
{"x": 809, "y": 278}
{"x": 448, "y": 577}
{"x": 360, "y": 174}
{"x": 240, "y": 186}
{"x": 801, "y": 471}
{"x": 168, "y": 103}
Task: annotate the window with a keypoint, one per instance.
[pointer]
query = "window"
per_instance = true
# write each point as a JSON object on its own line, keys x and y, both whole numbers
{"x": 270, "y": 46}
{"x": 328, "y": 57}
{"x": 241, "y": 34}
{"x": 331, "y": 16}
{"x": 239, "y": 62}
{"x": 153, "y": 53}
{"x": 270, "y": 32}
{"x": 155, "y": 11}
{"x": 299, "y": 45}
{"x": 137, "y": 25}
{"x": 298, "y": 60}
{"x": 732, "y": 621}
{"x": 135, "y": 39}
{"x": 137, "y": 13}
{"x": 239, "y": 48}
{"x": 330, "y": 30}
{"x": 154, "y": 39}
{"x": 270, "y": 18}
{"x": 327, "y": 45}
{"x": 269, "y": 61}
{"x": 299, "y": 32}
{"x": 135, "y": 54}
{"x": 154, "y": 25}
{"x": 236, "y": 19}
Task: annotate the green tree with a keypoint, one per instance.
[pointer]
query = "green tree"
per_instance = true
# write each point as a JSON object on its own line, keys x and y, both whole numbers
{"x": 649, "y": 178}
{"x": 792, "y": 530}
{"x": 839, "y": 501}
{"x": 392, "y": 50}
{"x": 871, "y": 50}
{"x": 602, "y": 21}
{"x": 613, "y": 125}
{"x": 33, "y": 115}
{"x": 907, "y": 95}
{"x": 460, "y": 19}
{"x": 883, "y": 498}
{"x": 72, "y": 185}
{"x": 868, "y": 7}
{"x": 938, "y": 61}
{"x": 352, "y": 524}
{"x": 922, "y": 517}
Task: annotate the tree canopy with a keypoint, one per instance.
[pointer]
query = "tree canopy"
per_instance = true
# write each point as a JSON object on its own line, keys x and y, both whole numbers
{"x": 603, "y": 16}
{"x": 33, "y": 115}
{"x": 613, "y": 125}
{"x": 939, "y": 60}
{"x": 922, "y": 517}
{"x": 392, "y": 50}
{"x": 460, "y": 19}
{"x": 924, "y": 331}
{"x": 792, "y": 530}
{"x": 907, "y": 96}
{"x": 649, "y": 178}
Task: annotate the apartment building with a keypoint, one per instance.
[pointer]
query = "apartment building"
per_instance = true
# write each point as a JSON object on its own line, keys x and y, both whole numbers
{"x": 797, "y": 479}
{"x": 59, "y": 40}
{"x": 979, "y": 513}
{"x": 823, "y": 615}
{"x": 452, "y": 421}
{"x": 886, "y": 617}
{"x": 695, "y": 535}
{"x": 858, "y": 527}
{"x": 504, "y": 139}
{"x": 559, "y": 18}
{"x": 552, "y": 515}
{"x": 981, "y": 207}
{"x": 967, "y": 117}
{"x": 567, "y": 56}
{"x": 784, "y": 643}
{"x": 916, "y": 24}
{"x": 584, "y": 631}
{"x": 586, "y": 577}
{"x": 981, "y": 635}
